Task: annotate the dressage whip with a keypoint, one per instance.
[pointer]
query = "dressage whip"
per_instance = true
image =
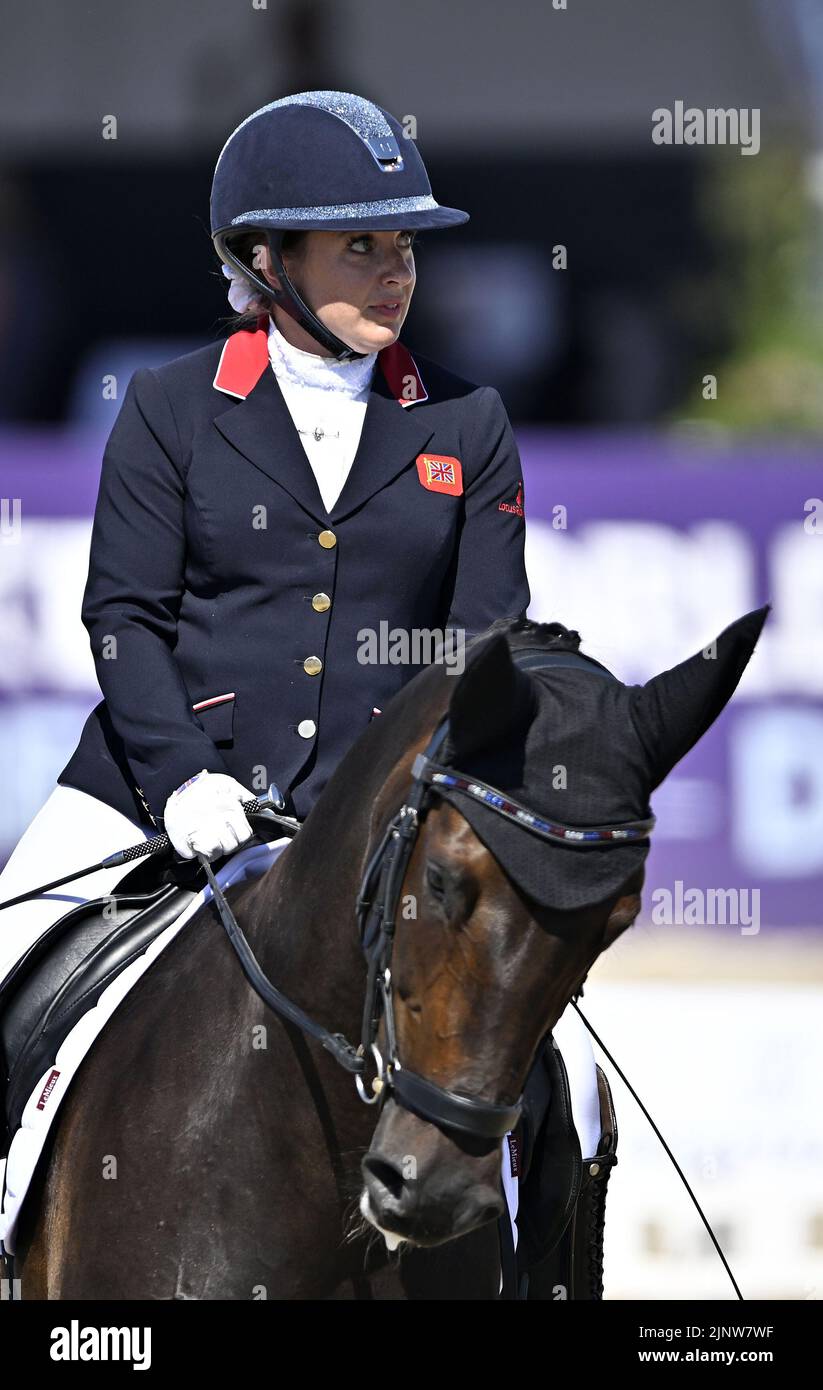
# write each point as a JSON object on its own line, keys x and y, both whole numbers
{"x": 680, "y": 1172}
{"x": 267, "y": 806}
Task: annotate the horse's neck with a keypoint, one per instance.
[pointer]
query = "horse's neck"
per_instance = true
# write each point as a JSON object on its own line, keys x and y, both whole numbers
{"x": 302, "y": 919}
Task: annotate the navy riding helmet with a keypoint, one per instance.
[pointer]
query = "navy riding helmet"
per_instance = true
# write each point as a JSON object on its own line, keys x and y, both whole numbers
{"x": 318, "y": 160}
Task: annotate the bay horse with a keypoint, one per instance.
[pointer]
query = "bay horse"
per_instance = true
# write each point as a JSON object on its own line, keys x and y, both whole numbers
{"x": 211, "y": 1150}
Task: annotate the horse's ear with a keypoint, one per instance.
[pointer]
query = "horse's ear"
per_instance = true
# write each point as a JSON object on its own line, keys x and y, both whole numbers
{"x": 491, "y": 700}
{"x": 673, "y": 710}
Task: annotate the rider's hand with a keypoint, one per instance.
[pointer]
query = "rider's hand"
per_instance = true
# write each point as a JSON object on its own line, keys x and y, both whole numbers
{"x": 205, "y": 816}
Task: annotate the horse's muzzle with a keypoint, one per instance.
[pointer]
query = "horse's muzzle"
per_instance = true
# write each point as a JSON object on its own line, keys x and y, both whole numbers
{"x": 422, "y": 1187}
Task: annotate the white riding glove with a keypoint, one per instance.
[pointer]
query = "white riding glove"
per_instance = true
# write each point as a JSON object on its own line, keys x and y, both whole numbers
{"x": 205, "y": 816}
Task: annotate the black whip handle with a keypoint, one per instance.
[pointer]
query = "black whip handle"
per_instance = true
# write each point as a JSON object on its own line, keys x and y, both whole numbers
{"x": 157, "y": 844}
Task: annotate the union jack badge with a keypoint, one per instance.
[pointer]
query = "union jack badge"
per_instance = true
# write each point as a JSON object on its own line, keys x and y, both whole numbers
{"x": 440, "y": 473}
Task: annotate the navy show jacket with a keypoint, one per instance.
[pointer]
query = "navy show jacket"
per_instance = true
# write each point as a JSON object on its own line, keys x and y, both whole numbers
{"x": 223, "y": 602}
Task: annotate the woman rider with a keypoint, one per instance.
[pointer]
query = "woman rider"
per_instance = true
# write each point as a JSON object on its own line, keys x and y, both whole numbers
{"x": 264, "y": 502}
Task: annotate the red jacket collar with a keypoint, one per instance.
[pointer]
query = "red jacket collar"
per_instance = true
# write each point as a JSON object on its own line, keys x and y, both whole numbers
{"x": 245, "y": 357}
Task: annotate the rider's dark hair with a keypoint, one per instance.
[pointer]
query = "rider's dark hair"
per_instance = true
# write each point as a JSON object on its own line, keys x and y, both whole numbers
{"x": 243, "y": 247}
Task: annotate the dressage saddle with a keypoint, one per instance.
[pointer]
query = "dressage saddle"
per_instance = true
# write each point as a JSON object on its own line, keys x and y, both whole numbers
{"x": 66, "y": 969}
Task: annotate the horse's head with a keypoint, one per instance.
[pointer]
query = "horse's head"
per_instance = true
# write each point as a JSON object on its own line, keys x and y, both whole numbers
{"x": 498, "y": 923}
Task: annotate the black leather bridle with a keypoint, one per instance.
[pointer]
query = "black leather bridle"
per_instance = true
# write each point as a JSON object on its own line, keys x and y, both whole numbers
{"x": 377, "y": 907}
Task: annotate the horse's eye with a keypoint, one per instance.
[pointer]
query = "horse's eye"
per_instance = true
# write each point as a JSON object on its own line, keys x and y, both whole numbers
{"x": 435, "y": 881}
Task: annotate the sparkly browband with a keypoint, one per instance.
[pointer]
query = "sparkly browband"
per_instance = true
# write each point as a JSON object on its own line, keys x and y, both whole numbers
{"x": 427, "y": 771}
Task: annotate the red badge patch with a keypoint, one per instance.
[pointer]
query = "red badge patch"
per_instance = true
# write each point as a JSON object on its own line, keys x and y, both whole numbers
{"x": 440, "y": 473}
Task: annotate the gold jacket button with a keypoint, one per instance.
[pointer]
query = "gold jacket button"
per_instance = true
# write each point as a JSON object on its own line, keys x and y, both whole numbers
{"x": 307, "y": 728}
{"x": 312, "y": 665}
{"x": 327, "y": 539}
{"x": 320, "y": 603}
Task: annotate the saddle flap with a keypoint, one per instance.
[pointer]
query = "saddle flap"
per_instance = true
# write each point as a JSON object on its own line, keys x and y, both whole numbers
{"x": 70, "y": 973}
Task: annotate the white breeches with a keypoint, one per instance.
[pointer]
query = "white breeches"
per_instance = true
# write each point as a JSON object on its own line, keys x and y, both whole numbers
{"x": 70, "y": 831}
{"x": 572, "y": 1037}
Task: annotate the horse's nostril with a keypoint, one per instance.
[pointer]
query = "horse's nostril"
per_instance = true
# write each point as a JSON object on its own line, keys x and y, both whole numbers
{"x": 489, "y": 1213}
{"x": 385, "y": 1173}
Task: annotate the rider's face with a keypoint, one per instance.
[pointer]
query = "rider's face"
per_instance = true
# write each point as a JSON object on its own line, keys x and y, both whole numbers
{"x": 343, "y": 277}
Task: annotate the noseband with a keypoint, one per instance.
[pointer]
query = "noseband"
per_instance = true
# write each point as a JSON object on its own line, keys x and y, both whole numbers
{"x": 377, "y": 907}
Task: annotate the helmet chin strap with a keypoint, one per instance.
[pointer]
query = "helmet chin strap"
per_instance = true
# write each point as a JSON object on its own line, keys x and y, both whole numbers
{"x": 290, "y": 300}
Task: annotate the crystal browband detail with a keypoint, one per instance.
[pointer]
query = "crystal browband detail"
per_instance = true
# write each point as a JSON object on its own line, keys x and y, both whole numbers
{"x": 550, "y": 830}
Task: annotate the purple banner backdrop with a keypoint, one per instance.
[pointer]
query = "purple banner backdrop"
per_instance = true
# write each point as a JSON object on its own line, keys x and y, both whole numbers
{"x": 648, "y": 547}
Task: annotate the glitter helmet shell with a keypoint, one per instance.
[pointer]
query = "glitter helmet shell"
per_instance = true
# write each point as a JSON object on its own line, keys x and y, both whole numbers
{"x": 326, "y": 161}
{"x": 322, "y": 160}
